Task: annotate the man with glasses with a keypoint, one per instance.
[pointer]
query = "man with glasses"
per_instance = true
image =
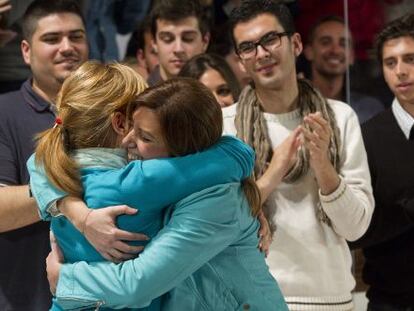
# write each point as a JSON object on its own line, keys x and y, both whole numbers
{"x": 311, "y": 163}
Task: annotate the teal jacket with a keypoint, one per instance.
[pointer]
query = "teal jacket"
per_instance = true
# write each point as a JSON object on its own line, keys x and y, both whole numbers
{"x": 170, "y": 257}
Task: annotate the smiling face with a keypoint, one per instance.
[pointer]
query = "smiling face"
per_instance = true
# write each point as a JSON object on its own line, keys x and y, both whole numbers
{"x": 176, "y": 42}
{"x": 327, "y": 51}
{"x": 58, "y": 46}
{"x": 216, "y": 84}
{"x": 269, "y": 68}
{"x": 398, "y": 68}
{"x": 148, "y": 135}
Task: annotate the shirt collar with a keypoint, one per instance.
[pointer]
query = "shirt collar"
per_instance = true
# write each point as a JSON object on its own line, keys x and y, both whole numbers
{"x": 34, "y": 100}
{"x": 404, "y": 119}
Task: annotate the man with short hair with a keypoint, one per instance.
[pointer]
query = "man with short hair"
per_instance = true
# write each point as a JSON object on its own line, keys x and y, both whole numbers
{"x": 310, "y": 161}
{"x": 180, "y": 31}
{"x": 54, "y": 45}
{"x": 389, "y": 141}
{"x": 330, "y": 53}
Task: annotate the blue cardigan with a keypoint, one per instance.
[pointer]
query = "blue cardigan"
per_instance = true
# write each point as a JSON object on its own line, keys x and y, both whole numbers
{"x": 138, "y": 185}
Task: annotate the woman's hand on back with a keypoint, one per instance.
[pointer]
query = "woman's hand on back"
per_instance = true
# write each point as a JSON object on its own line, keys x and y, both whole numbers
{"x": 102, "y": 232}
{"x": 54, "y": 262}
{"x": 99, "y": 228}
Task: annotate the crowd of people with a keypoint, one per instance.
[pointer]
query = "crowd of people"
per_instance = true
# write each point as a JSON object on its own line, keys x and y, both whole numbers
{"x": 217, "y": 168}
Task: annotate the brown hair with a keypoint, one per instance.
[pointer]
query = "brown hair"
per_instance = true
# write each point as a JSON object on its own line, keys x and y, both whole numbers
{"x": 86, "y": 104}
{"x": 191, "y": 121}
{"x": 250, "y": 9}
{"x": 400, "y": 27}
{"x": 176, "y": 10}
{"x": 199, "y": 64}
{"x": 190, "y": 117}
{"x": 39, "y": 9}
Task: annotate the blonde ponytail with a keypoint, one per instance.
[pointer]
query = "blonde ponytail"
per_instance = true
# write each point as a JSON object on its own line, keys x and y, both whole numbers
{"x": 86, "y": 103}
{"x": 61, "y": 169}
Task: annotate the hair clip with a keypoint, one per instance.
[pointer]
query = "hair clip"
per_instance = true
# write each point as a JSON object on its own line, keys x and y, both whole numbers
{"x": 58, "y": 121}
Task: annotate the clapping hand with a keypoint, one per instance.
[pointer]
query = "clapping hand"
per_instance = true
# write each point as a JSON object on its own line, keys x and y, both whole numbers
{"x": 317, "y": 138}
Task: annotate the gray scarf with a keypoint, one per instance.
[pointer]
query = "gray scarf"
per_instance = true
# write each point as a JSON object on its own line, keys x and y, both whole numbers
{"x": 251, "y": 128}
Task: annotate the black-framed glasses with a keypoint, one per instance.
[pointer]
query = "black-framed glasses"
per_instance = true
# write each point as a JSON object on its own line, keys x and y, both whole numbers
{"x": 269, "y": 41}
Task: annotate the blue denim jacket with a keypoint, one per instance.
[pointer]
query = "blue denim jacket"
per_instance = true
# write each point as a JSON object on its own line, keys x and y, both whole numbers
{"x": 139, "y": 185}
{"x": 206, "y": 256}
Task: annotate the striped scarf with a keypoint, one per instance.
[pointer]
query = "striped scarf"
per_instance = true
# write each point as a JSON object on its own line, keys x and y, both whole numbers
{"x": 251, "y": 128}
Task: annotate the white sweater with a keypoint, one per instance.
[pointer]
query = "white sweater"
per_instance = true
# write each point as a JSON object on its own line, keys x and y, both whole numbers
{"x": 310, "y": 260}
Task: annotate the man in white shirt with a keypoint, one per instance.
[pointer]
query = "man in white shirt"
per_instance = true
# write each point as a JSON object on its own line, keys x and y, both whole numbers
{"x": 311, "y": 163}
